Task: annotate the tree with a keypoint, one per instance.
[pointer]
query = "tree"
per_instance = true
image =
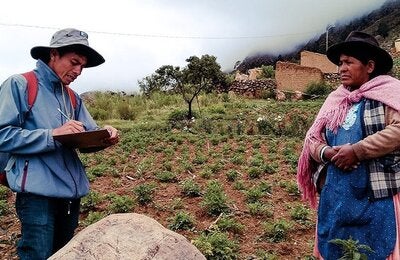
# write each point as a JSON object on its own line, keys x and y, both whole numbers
{"x": 165, "y": 78}
{"x": 169, "y": 77}
{"x": 200, "y": 74}
{"x": 206, "y": 67}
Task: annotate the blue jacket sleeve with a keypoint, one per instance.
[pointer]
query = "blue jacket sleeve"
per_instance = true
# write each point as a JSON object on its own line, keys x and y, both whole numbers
{"x": 14, "y": 138}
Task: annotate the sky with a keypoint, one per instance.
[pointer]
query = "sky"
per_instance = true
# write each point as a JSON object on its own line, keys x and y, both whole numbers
{"x": 137, "y": 37}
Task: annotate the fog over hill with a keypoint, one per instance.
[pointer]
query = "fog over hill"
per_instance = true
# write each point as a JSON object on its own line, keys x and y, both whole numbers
{"x": 383, "y": 23}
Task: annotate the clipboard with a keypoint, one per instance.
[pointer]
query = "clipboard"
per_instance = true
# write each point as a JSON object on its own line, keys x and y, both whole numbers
{"x": 87, "y": 139}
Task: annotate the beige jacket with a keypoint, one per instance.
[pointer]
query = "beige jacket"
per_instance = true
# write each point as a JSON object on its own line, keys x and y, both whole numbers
{"x": 372, "y": 146}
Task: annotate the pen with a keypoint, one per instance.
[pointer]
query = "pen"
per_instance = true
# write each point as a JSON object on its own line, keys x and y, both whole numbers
{"x": 64, "y": 115}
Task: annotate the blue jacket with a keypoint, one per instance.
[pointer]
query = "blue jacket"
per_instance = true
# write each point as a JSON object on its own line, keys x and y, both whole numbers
{"x": 39, "y": 164}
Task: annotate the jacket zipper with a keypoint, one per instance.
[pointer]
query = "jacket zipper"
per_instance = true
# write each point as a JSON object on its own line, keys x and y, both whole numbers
{"x": 24, "y": 175}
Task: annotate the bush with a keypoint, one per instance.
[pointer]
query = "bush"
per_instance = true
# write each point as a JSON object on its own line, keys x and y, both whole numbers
{"x": 179, "y": 118}
{"x": 99, "y": 113}
{"x": 255, "y": 172}
{"x": 260, "y": 209}
{"x": 268, "y": 71}
{"x": 125, "y": 111}
{"x": 254, "y": 194}
{"x": 318, "y": 89}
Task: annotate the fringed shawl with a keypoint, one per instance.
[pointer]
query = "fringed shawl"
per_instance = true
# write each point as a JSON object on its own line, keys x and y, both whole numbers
{"x": 383, "y": 88}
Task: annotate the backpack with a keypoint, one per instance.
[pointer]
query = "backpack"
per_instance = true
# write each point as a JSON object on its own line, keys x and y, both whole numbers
{"x": 32, "y": 89}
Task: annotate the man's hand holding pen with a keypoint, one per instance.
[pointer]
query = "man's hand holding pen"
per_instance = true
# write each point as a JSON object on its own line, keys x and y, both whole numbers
{"x": 114, "y": 135}
{"x": 70, "y": 127}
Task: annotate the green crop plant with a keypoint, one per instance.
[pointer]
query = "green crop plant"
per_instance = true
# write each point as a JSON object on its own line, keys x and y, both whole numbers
{"x": 276, "y": 231}
{"x": 93, "y": 217}
{"x": 351, "y": 249}
{"x": 259, "y": 208}
{"x": 144, "y": 193}
{"x": 232, "y": 175}
{"x": 121, "y": 204}
{"x": 166, "y": 176}
{"x": 190, "y": 188}
{"x": 216, "y": 245}
{"x": 230, "y": 224}
{"x": 181, "y": 221}
{"x": 214, "y": 199}
{"x": 90, "y": 201}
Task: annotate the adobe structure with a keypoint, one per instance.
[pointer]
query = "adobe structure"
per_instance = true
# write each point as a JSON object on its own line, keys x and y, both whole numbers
{"x": 294, "y": 77}
{"x": 317, "y": 60}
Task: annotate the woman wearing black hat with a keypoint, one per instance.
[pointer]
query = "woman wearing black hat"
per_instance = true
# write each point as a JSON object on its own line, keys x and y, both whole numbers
{"x": 356, "y": 136}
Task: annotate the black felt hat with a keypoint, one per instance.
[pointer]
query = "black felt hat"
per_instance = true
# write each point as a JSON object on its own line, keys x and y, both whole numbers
{"x": 359, "y": 41}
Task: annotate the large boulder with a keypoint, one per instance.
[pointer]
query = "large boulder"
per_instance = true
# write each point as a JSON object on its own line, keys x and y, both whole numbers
{"x": 128, "y": 236}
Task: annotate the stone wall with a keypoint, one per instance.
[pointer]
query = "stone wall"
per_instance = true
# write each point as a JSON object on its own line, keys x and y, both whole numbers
{"x": 253, "y": 88}
{"x": 294, "y": 77}
{"x": 317, "y": 60}
{"x": 332, "y": 79}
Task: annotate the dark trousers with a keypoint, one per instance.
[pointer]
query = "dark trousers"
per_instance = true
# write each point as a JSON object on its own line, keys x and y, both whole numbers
{"x": 47, "y": 224}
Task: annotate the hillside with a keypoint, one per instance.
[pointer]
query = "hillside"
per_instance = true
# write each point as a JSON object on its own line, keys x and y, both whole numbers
{"x": 386, "y": 19}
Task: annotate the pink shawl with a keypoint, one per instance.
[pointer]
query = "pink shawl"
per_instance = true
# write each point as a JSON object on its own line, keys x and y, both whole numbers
{"x": 383, "y": 88}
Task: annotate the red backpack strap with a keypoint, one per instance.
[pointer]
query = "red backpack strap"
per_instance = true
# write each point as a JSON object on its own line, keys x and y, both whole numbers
{"x": 72, "y": 96}
{"x": 32, "y": 87}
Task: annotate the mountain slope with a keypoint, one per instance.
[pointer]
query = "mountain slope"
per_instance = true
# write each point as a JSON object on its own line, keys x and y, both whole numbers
{"x": 383, "y": 23}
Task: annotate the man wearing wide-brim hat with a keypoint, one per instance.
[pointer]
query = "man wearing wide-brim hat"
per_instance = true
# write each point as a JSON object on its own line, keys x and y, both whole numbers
{"x": 356, "y": 139}
{"x": 47, "y": 175}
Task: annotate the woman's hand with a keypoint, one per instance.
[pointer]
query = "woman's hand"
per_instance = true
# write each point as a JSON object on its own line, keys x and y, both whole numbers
{"x": 329, "y": 153}
{"x": 345, "y": 158}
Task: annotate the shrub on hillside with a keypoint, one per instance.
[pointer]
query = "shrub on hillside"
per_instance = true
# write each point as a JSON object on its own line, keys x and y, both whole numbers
{"x": 179, "y": 118}
{"x": 125, "y": 111}
{"x": 99, "y": 113}
{"x": 316, "y": 89}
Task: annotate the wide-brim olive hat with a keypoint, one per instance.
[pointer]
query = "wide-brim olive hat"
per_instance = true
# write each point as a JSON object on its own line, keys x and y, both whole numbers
{"x": 359, "y": 41}
{"x": 73, "y": 38}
